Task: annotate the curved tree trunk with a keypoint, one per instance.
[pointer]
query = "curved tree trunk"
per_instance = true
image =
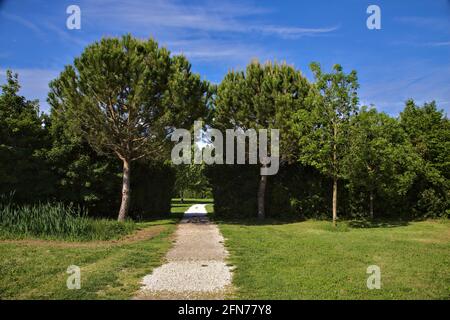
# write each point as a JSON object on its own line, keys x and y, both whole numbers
{"x": 123, "y": 212}
{"x": 261, "y": 196}
{"x": 335, "y": 185}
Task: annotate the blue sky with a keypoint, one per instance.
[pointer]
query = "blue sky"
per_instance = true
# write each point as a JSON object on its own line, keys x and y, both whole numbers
{"x": 408, "y": 58}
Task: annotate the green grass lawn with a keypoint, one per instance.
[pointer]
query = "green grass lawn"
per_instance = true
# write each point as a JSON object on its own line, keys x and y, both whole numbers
{"x": 36, "y": 269}
{"x": 273, "y": 260}
{"x": 311, "y": 260}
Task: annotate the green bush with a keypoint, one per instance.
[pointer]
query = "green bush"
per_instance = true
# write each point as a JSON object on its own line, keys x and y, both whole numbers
{"x": 430, "y": 204}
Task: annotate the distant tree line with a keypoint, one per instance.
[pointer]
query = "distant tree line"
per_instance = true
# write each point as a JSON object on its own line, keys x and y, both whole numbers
{"x": 105, "y": 144}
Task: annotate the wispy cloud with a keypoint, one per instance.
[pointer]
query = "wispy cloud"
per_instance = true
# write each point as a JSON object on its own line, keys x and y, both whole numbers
{"x": 225, "y": 34}
{"x": 64, "y": 35}
{"x": 293, "y": 32}
{"x": 208, "y": 17}
{"x": 427, "y": 22}
{"x": 210, "y": 50}
{"x": 210, "y": 30}
{"x": 422, "y": 43}
{"x": 439, "y": 44}
{"x": 205, "y": 30}
{"x": 24, "y": 22}
{"x": 391, "y": 86}
{"x": 41, "y": 28}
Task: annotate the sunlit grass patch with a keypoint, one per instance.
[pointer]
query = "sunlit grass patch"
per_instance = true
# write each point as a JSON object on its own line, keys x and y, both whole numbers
{"x": 314, "y": 260}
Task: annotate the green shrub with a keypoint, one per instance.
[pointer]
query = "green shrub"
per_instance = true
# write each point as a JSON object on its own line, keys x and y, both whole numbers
{"x": 431, "y": 204}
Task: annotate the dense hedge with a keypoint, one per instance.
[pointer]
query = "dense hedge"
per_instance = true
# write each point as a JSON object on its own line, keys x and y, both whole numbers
{"x": 151, "y": 189}
{"x": 302, "y": 192}
{"x": 295, "y": 191}
{"x": 75, "y": 174}
{"x": 99, "y": 195}
{"x": 234, "y": 189}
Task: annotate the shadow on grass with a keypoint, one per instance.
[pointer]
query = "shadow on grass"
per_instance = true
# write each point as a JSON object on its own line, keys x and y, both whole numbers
{"x": 364, "y": 223}
{"x": 255, "y": 221}
{"x": 342, "y": 224}
{"x": 170, "y": 218}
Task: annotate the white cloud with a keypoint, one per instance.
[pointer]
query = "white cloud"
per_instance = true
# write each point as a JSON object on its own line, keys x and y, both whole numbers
{"x": 42, "y": 28}
{"x": 389, "y": 87}
{"x": 439, "y": 44}
{"x": 229, "y": 31}
{"x": 209, "y": 17}
{"x": 427, "y": 22}
{"x": 64, "y": 35}
{"x": 209, "y": 50}
{"x": 421, "y": 43}
{"x": 294, "y": 32}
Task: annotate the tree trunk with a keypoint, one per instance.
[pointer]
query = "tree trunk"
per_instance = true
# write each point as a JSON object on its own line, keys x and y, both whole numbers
{"x": 123, "y": 212}
{"x": 335, "y": 182}
{"x": 371, "y": 204}
{"x": 261, "y": 196}
{"x": 335, "y": 185}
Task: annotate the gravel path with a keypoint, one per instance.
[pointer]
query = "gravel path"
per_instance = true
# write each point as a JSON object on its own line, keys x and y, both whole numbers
{"x": 195, "y": 267}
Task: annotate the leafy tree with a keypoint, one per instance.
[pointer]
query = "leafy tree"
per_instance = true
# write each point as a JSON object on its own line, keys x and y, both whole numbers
{"x": 429, "y": 132}
{"x": 381, "y": 159}
{"x": 262, "y": 97}
{"x": 23, "y": 140}
{"x": 125, "y": 96}
{"x": 84, "y": 177}
{"x": 190, "y": 179}
{"x": 323, "y": 129}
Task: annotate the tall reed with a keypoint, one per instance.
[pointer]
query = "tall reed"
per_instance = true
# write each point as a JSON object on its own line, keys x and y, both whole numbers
{"x": 56, "y": 220}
